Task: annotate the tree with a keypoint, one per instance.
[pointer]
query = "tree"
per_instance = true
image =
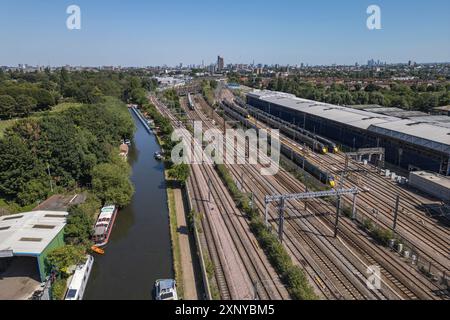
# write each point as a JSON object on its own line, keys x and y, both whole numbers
{"x": 44, "y": 99}
{"x": 7, "y": 106}
{"x": 213, "y": 84}
{"x": 179, "y": 173}
{"x": 25, "y": 104}
{"x": 399, "y": 102}
{"x": 65, "y": 257}
{"x": 361, "y": 97}
{"x": 138, "y": 96}
{"x": 110, "y": 182}
{"x": 79, "y": 225}
{"x": 33, "y": 190}
{"x": 18, "y": 167}
{"x": 377, "y": 98}
{"x": 371, "y": 87}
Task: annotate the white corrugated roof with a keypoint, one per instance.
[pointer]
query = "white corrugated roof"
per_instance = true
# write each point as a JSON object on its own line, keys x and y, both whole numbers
{"x": 30, "y": 233}
{"x": 352, "y": 117}
{"x": 431, "y": 135}
{"x": 433, "y": 177}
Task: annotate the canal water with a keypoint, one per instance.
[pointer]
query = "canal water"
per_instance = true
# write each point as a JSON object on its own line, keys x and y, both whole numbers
{"x": 139, "y": 250}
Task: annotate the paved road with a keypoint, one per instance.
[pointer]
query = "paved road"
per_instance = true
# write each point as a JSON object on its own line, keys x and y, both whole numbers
{"x": 190, "y": 289}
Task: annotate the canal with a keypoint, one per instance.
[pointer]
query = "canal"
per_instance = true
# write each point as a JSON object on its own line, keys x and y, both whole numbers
{"x": 139, "y": 250}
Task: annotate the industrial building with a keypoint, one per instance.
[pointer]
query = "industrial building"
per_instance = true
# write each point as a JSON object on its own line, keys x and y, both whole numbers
{"x": 431, "y": 183}
{"x": 410, "y": 143}
{"x": 32, "y": 235}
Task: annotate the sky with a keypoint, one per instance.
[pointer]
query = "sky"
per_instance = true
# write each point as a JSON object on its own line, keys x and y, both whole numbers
{"x": 158, "y": 32}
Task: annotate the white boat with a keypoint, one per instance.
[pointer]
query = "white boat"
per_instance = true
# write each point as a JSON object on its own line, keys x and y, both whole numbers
{"x": 166, "y": 289}
{"x": 104, "y": 225}
{"x": 79, "y": 280}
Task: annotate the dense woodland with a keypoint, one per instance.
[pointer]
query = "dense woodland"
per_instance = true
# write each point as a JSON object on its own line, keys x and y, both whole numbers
{"x": 412, "y": 97}
{"x": 24, "y": 93}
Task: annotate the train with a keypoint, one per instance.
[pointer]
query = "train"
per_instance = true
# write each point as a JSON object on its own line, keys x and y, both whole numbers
{"x": 329, "y": 145}
{"x": 322, "y": 176}
{"x": 297, "y": 134}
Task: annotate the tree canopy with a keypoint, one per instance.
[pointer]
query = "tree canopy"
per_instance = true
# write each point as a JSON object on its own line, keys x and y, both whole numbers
{"x": 65, "y": 257}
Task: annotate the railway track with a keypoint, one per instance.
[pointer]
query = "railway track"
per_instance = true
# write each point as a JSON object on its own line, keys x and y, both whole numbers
{"x": 412, "y": 285}
{"x": 209, "y": 242}
{"x": 431, "y": 241}
{"x": 262, "y": 279}
{"x": 344, "y": 286}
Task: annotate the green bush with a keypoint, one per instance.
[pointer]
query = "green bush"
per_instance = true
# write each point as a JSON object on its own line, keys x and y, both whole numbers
{"x": 79, "y": 225}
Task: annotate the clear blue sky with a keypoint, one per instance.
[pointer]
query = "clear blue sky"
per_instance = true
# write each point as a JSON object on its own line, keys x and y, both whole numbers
{"x": 156, "y": 32}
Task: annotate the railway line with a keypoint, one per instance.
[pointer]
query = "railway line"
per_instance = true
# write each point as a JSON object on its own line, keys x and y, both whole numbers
{"x": 394, "y": 268}
{"x": 222, "y": 217}
{"x": 428, "y": 238}
{"x": 334, "y": 269}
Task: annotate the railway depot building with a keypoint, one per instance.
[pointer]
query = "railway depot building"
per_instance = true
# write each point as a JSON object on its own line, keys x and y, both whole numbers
{"x": 410, "y": 144}
{"x": 27, "y": 238}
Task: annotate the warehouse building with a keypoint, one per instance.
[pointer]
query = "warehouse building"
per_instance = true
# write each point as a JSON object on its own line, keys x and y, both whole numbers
{"x": 31, "y": 236}
{"x": 410, "y": 143}
{"x": 431, "y": 183}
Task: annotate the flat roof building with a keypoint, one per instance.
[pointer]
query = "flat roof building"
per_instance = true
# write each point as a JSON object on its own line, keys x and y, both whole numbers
{"x": 32, "y": 234}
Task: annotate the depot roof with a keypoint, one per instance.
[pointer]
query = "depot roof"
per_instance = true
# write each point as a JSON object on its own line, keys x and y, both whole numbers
{"x": 30, "y": 233}
{"x": 430, "y": 134}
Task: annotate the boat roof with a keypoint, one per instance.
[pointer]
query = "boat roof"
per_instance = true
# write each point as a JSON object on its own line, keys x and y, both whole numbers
{"x": 100, "y": 230}
{"x": 166, "y": 284}
{"x": 107, "y": 212}
{"x": 108, "y": 209}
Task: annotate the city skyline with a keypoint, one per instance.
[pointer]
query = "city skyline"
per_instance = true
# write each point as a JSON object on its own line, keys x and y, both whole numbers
{"x": 157, "y": 33}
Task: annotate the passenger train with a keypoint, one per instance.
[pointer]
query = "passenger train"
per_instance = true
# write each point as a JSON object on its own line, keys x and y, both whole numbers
{"x": 242, "y": 114}
{"x": 191, "y": 102}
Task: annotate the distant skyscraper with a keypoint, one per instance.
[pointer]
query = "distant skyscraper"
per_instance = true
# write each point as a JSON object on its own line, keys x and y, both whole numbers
{"x": 220, "y": 63}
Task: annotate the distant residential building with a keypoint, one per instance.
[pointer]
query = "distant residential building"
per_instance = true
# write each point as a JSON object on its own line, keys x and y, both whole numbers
{"x": 212, "y": 68}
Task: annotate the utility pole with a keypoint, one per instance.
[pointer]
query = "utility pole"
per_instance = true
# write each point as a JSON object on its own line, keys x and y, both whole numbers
{"x": 50, "y": 177}
{"x": 354, "y": 207}
{"x": 397, "y": 204}
{"x": 281, "y": 220}
{"x": 281, "y": 199}
{"x": 338, "y": 209}
{"x": 266, "y": 213}
{"x": 306, "y": 200}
